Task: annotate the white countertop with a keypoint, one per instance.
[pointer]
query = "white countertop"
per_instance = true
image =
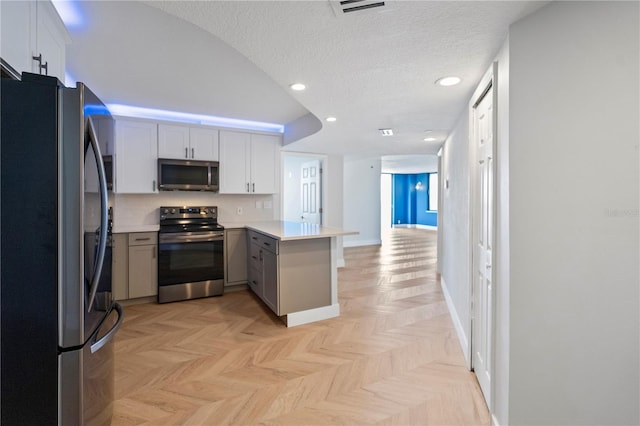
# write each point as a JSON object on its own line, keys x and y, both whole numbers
{"x": 281, "y": 230}
{"x": 287, "y": 231}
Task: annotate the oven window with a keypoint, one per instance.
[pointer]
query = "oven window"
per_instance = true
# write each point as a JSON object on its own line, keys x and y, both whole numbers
{"x": 190, "y": 262}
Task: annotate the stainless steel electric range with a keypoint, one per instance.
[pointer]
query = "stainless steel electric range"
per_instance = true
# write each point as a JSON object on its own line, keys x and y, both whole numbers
{"x": 190, "y": 255}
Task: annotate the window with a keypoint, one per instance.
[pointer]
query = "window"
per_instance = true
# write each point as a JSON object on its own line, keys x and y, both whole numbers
{"x": 433, "y": 191}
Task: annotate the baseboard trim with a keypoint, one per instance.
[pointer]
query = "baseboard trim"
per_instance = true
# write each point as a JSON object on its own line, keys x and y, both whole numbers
{"x": 359, "y": 243}
{"x": 312, "y": 315}
{"x": 416, "y": 226}
{"x": 494, "y": 421}
{"x": 462, "y": 337}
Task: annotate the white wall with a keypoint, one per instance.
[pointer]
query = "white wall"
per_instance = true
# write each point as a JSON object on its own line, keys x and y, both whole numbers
{"x": 454, "y": 214}
{"x": 574, "y": 229}
{"x": 361, "y": 200}
{"x": 333, "y": 199}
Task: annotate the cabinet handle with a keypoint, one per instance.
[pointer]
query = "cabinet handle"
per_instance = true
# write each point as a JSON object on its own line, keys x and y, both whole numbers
{"x": 41, "y": 67}
{"x": 154, "y": 185}
{"x": 253, "y": 257}
{"x": 186, "y": 152}
{"x": 260, "y": 255}
{"x": 254, "y": 238}
{"x": 247, "y": 186}
{"x": 154, "y": 251}
{"x": 143, "y": 239}
{"x": 254, "y": 187}
{"x": 267, "y": 244}
{"x": 193, "y": 155}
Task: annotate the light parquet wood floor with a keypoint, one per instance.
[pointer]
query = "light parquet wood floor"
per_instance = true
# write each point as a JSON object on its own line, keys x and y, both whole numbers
{"x": 391, "y": 358}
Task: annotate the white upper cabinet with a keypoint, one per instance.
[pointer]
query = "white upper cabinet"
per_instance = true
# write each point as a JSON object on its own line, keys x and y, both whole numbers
{"x": 173, "y": 142}
{"x": 234, "y": 162}
{"x": 264, "y": 158}
{"x": 185, "y": 143}
{"x": 136, "y": 157}
{"x": 248, "y": 163}
{"x": 15, "y": 46}
{"x": 106, "y": 135}
{"x": 33, "y": 29}
{"x": 204, "y": 143}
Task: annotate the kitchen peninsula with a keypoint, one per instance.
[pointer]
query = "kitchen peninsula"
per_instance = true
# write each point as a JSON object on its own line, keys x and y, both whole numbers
{"x": 291, "y": 267}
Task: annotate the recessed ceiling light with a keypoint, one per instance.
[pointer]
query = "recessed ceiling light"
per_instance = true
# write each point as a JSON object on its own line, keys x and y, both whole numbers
{"x": 386, "y": 132}
{"x": 448, "y": 81}
{"x": 298, "y": 86}
{"x": 430, "y": 139}
{"x": 331, "y": 119}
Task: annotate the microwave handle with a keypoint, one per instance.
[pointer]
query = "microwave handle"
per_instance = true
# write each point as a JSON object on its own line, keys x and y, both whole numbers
{"x": 104, "y": 206}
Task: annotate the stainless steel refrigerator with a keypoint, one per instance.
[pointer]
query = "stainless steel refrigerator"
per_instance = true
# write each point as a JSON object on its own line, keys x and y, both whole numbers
{"x": 57, "y": 317}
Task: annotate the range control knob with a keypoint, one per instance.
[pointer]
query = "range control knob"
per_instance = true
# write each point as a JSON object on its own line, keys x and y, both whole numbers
{"x": 165, "y": 211}
{"x": 173, "y": 211}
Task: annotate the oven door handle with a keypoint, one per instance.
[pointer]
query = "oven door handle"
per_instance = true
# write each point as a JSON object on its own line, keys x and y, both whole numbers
{"x": 190, "y": 238}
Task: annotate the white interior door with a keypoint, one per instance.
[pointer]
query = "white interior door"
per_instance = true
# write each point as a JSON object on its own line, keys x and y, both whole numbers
{"x": 483, "y": 141}
{"x": 311, "y": 193}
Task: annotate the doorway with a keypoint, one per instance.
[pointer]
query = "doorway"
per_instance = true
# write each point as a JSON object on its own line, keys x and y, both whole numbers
{"x": 302, "y": 195}
{"x": 482, "y": 156}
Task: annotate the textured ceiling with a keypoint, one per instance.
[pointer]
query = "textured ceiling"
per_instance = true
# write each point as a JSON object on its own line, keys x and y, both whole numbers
{"x": 371, "y": 69}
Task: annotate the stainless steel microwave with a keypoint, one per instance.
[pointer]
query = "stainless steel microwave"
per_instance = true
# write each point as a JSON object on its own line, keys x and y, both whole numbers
{"x": 188, "y": 175}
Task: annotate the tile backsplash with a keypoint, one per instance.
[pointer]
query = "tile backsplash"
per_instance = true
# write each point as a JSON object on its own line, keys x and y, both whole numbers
{"x": 131, "y": 210}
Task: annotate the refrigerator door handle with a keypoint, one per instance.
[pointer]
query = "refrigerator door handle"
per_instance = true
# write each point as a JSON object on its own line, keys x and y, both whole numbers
{"x": 95, "y": 346}
{"x": 104, "y": 206}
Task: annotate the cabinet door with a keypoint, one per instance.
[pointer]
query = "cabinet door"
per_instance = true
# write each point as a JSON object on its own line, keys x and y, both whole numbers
{"x": 143, "y": 271}
{"x": 120, "y": 267}
{"x": 173, "y": 142}
{"x": 51, "y": 40}
{"x": 264, "y": 161}
{"x": 105, "y": 133}
{"x": 204, "y": 144}
{"x": 16, "y": 33}
{"x": 270, "y": 280}
{"x": 136, "y": 159}
{"x": 234, "y": 162}
{"x": 235, "y": 254}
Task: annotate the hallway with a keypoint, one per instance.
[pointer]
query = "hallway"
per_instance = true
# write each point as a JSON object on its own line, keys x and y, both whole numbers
{"x": 392, "y": 357}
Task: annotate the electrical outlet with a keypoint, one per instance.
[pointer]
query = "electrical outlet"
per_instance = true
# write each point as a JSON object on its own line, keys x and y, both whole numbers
{"x": 239, "y": 211}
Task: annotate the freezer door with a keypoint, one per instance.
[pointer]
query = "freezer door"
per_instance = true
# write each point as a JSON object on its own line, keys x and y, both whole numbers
{"x": 86, "y": 377}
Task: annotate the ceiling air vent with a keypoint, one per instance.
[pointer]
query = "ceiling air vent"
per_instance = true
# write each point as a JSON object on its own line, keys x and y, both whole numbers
{"x": 347, "y": 6}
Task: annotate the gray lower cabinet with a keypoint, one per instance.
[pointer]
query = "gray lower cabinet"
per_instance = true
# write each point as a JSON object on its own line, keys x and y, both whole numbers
{"x": 235, "y": 257}
{"x": 270, "y": 277}
{"x": 135, "y": 265}
{"x": 290, "y": 276}
{"x": 255, "y": 267}
{"x": 120, "y": 266}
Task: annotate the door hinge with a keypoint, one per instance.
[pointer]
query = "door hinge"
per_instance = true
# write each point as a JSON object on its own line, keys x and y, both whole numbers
{"x": 320, "y": 210}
